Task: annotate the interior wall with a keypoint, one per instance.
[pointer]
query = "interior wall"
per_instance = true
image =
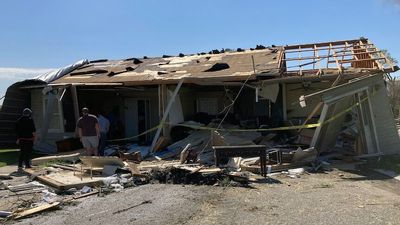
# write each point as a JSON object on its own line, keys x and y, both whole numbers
{"x": 113, "y": 102}
{"x": 189, "y": 96}
{"x": 293, "y": 93}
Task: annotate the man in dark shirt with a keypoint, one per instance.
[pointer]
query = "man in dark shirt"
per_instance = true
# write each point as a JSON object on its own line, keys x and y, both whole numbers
{"x": 25, "y": 130}
{"x": 89, "y": 132}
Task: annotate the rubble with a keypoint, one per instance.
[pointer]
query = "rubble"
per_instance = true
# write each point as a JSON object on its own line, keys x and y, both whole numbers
{"x": 189, "y": 161}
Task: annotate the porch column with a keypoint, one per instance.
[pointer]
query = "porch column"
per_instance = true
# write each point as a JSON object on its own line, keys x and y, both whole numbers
{"x": 74, "y": 95}
{"x": 165, "y": 115}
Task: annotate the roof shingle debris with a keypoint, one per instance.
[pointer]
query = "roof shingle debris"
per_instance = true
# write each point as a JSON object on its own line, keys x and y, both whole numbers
{"x": 218, "y": 65}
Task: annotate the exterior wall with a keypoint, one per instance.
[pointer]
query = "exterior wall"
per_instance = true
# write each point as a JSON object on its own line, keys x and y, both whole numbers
{"x": 388, "y": 138}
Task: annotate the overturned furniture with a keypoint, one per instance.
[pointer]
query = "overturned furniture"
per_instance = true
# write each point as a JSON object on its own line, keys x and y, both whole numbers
{"x": 222, "y": 152}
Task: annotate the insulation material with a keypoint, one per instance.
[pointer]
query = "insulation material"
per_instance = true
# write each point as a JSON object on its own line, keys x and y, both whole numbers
{"x": 269, "y": 92}
{"x": 175, "y": 115}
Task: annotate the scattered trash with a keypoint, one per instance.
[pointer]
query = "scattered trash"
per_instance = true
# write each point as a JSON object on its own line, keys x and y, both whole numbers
{"x": 5, "y": 214}
{"x": 50, "y": 197}
{"x": 109, "y": 170}
{"x": 85, "y": 190}
{"x": 295, "y": 173}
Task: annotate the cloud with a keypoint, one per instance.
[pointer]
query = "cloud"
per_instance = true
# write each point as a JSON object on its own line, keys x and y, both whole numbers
{"x": 10, "y": 75}
{"x": 395, "y": 2}
{"x": 17, "y": 74}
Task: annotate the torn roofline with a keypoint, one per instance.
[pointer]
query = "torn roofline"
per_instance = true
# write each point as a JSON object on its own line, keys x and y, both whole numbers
{"x": 320, "y": 44}
{"x": 339, "y": 55}
{"x": 267, "y": 64}
{"x": 229, "y": 82}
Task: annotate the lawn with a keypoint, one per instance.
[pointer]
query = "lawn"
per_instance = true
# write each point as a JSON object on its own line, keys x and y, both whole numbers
{"x": 8, "y": 157}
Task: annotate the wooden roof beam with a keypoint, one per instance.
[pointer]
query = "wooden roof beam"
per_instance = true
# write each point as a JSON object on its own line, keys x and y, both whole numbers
{"x": 322, "y": 44}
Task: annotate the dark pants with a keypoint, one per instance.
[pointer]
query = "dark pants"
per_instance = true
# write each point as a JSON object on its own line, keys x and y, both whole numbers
{"x": 102, "y": 143}
{"x": 25, "y": 153}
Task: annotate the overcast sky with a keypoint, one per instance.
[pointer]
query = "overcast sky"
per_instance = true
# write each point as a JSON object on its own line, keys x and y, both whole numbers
{"x": 40, "y": 35}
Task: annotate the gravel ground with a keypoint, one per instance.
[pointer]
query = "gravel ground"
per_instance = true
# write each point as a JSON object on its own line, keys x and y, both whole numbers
{"x": 336, "y": 197}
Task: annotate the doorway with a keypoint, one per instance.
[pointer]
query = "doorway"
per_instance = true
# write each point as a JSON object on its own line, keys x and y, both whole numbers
{"x": 137, "y": 118}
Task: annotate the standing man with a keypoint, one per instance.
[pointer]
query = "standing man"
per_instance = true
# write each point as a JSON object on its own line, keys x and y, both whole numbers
{"x": 89, "y": 132}
{"x": 104, "y": 125}
{"x": 25, "y": 130}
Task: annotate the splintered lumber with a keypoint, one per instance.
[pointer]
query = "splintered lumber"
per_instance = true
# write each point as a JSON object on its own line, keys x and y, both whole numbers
{"x": 97, "y": 161}
{"x": 72, "y": 168}
{"x": 161, "y": 143}
{"x": 86, "y": 195}
{"x": 65, "y": 180}
{"x": 133, "y": 167}
{"x": 185, "y": 153}
{"x": 35, "y": 210}
{"x": 271, "y": 168}
{"x": 81, "y": 196}
{"x": 71, "y": 157}
{"x": 25, "y": 187}
{"x": 133, "y": 206}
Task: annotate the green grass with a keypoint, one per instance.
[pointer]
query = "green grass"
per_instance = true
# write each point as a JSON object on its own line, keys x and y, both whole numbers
{"x": 389, "y": 162}
{"x": 8, "y": 157}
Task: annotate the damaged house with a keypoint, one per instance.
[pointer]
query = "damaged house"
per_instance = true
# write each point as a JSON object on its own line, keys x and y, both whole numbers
{"x": 330, "y": 96}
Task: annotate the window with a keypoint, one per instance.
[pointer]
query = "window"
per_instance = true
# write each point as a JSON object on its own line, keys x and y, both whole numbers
{"x": 207, "y": 105}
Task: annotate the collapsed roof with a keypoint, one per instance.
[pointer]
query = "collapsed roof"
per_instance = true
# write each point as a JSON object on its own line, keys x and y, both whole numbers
{"x": 304, "y": 61}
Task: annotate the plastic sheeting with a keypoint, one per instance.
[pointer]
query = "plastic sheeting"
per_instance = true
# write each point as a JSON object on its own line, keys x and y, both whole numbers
{"x": 56, "y": 74}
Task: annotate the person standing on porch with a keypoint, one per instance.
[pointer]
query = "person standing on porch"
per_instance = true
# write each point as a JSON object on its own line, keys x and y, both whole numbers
{"x": 104, "y": 128}
{"x": 25, "y": 131}
{"x": 89, "y": 132}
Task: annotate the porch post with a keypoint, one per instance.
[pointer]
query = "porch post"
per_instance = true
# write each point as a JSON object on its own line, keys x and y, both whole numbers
{"x": 165, "y": 115}
{"x": 74, "y": 95}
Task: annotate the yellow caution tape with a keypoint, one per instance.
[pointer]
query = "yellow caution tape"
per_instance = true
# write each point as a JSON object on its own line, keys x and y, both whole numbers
{"x": 248, "y": 130}
{"x": 133, "y": 137}
{"x": 314, "y": 125}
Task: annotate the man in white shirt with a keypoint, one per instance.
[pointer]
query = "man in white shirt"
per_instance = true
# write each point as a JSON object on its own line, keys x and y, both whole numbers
{"x": 104, "y": 125}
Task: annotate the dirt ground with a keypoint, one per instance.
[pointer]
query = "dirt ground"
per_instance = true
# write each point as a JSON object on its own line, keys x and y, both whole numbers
{"x": 335, "y": 197}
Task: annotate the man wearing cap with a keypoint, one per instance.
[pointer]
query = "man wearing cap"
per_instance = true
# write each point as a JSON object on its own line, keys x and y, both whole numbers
{"x": 25, "y": 130}
{"x": 89, "y": 132}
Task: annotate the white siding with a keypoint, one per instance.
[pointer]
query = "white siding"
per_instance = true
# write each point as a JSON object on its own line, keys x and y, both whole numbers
{"x": 389, "y": 141}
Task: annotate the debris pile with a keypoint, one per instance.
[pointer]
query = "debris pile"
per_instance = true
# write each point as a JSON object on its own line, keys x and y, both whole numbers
{"x": 191, "y": 159}
{"x": 174, "y": 175}
{"x": 349, "y": 133}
